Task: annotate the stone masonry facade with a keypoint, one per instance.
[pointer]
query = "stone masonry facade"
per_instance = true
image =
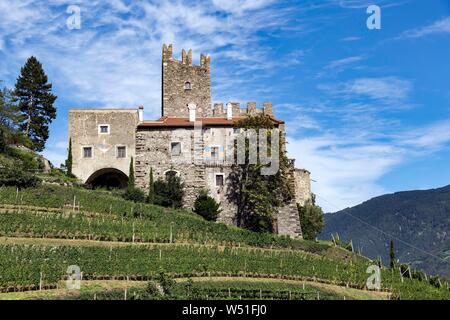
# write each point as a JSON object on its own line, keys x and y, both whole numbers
{"x": 193, "y": 139}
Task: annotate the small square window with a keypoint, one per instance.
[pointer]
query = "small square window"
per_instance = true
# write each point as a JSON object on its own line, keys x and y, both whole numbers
{"x": 214, "y": 153}
{"x": 103, "y": 128}
{"x": 219, "y": 180}
{"x": 175, "y": 148}
{"x": 121, "y": 152}
{"x": 87, "y": 152}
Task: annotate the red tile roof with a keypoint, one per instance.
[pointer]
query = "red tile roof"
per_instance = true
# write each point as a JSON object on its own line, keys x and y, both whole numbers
{"x": 184, "y": 122}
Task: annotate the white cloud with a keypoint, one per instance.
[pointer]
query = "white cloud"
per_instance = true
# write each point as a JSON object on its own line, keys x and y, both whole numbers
{"x": 439, "y": 27}
{"x": 347, "y": 163}
{"x": 240, "y": 6}
{"x": 343, "y": 62}
{"x": 384, "y": 88}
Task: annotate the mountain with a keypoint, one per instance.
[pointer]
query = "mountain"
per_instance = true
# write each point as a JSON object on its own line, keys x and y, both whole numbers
{"x": 418, "y": 222}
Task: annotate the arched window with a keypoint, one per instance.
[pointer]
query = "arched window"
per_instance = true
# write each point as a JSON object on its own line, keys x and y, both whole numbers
{"x": 187, "y": 85}
{"x": 171, "y": 173}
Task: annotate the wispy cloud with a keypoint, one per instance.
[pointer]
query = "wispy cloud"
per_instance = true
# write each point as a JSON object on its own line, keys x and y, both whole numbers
{"x": 387, "y": 89}
{"x": 343, "y": 62}
{"x": 438, "y": 27}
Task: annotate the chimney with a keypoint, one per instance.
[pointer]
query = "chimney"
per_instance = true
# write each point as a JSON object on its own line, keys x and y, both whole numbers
{"x": 229, "y": 111}
{"x": 141, "y": 113}
{"x": 192, "y": 107}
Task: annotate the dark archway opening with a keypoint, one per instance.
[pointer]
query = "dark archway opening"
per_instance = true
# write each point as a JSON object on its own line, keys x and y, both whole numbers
{"x": 109, "y": 178}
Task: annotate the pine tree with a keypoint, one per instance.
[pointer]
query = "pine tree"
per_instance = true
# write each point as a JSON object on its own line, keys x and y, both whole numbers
{"x": 131, "y": 182}
{"x": 392, "y": 254}
{"x": 35, "y": 103}
{"x": 151, "y": 188}
{"x": 69, "y": 159}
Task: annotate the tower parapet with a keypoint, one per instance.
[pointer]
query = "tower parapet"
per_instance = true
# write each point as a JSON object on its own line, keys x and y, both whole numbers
{"x": 251, "y": 109}
{"x": 185, "y": 83}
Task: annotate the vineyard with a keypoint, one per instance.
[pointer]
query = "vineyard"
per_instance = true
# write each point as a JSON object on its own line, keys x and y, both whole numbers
{"x": 175, "y": 241}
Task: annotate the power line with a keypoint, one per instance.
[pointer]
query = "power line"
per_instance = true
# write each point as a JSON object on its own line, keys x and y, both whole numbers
{"x": 383, "y": 232}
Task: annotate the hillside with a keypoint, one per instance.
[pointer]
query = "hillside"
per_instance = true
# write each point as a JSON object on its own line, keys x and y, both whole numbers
{"x": 119, "y": 244}
{"x": 418, "y": 218}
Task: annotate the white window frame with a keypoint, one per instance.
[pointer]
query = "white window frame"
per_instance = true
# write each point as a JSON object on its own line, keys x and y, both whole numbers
{"x": 223, "y": 180}
{"x": 100, "y": 128}
{"x": 117, "y": 152}
{"x": 82, "y": 152}
{"x": 181, "y": 148}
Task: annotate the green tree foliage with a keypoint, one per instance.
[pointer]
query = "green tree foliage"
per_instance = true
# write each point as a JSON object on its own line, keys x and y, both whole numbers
{"x": 206, "y": 206}
{"x": 132, "y": 193}
{"x": 169, "y": 192}
{"x": 36, "y": 100}
{"x": 151, "y": 188}
{"x": 16, "y": 176}
{"x": 259, "y": 196}
{"x": 311, "y": 218}
{"x": 9, "y": 112}
{"x": 392, "y": 254}
{"x": 131, "y": 181}
{"x": 69, "y": 159}
{"x": 9, "y": 120}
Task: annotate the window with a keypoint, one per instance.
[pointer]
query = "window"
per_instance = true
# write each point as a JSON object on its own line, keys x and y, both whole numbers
{"x": 103, "y": 129}
{"x": 187, "y": 85}
{"x": 87, "y": 152}
{"x": 214, "y": 153}
{"x": 171, "y": 173}
{"x": 121, "y": 152}
{"x": 175, "y": 148}
{"x": 219, "y": 180}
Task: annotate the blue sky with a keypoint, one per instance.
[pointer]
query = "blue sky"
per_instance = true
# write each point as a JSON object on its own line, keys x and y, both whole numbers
{"x": 367, "y": 111}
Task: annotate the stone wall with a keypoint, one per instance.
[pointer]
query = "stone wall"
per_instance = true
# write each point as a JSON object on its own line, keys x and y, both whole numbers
{"x": 84, "y": 132}
{"x": 288, "y": 221}
{"x": 153, "y": 150}
{"x": 175, "y": 74}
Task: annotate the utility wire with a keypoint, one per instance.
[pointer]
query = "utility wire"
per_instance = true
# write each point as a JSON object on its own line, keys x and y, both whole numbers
{"x": 383, "y": 232}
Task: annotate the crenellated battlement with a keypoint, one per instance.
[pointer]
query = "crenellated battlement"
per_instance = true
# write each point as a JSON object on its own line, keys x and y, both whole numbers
{"x": 186, "y": 57}
{"x": 220, "y": 109}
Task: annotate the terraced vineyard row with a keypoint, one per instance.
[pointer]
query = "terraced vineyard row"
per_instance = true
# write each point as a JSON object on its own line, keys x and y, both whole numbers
{"x": 23, "y": 265}
{"x": 117, "y": 217}
{"x": 30, "y": 265}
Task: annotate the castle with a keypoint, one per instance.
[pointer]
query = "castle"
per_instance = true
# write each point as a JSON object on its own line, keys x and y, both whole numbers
{"x": 105, "y": 140}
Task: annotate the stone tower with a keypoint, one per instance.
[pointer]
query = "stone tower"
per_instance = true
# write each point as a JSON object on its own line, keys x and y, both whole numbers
{"x": 184, "y": 83}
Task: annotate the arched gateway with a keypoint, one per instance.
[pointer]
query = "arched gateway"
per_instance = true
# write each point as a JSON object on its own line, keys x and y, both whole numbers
{"x": 110, "y": 178}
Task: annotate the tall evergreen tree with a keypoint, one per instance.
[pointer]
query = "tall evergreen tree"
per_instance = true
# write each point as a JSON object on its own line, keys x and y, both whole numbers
{"x": 35, "y": 99}
{"x": 131, "y": 182}
{"x": 392, "y": 254}
{"x": 69, "y": 159}
{"x": 151, "y": 188}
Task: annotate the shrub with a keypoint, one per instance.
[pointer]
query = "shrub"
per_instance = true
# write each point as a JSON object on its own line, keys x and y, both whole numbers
{"x": 311, "y": 218}
{"x": 169, "y": 192}
{"x": 18, "y": 177}
{"x": 134, "y": 194}
{"x": 206, "y": 206}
